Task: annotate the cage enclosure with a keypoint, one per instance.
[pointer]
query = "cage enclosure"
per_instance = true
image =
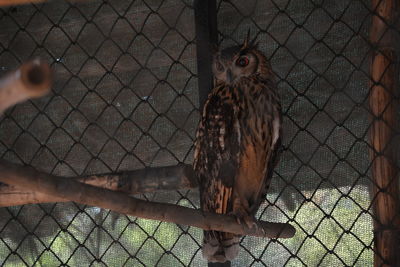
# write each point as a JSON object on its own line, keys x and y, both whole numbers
{"x": 129, "y": 80}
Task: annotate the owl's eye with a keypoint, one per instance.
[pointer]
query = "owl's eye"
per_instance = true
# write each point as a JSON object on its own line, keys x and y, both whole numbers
{"x": 219, "y": 66}
{"x": 242, "y": 61}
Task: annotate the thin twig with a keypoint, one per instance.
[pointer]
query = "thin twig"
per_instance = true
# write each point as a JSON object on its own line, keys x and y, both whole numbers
{"x": 122, "y": 203}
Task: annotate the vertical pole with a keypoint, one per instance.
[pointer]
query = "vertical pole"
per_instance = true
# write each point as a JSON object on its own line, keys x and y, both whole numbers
{"x": 383, "y": 104}
{"x": 205, "y": 12}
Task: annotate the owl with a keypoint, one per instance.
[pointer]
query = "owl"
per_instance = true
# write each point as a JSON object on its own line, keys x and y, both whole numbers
{"x": 237, "y": 142}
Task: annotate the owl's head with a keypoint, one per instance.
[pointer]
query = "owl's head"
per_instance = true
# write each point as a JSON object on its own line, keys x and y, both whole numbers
{"x": 233, "y": 63}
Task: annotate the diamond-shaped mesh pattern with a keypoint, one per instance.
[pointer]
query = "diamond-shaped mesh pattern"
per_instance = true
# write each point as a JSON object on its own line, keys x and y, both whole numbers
{"x": 126, "y": 97}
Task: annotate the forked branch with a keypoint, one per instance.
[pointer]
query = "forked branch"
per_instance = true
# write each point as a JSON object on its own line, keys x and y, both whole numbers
{"x": 146, "y": 180}
{"x": 25, "y": 177}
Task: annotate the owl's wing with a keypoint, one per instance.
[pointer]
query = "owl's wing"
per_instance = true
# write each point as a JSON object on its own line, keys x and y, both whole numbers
{"x": 275, "y": 155}
{"x": 216, "y": 154}
{"x": 272, "y": 156}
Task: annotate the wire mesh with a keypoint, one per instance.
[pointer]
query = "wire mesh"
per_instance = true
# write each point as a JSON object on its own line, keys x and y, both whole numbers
{"x": 126, "y": 97}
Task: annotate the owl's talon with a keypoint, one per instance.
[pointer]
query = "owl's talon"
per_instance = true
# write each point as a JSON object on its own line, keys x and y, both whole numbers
{"x": 260, "y": 227}
{"x": 245, "y": 220}
{"x": 238, "y": 220}
{"x": 252, "y": 223}
{"x": 237, "y": 217}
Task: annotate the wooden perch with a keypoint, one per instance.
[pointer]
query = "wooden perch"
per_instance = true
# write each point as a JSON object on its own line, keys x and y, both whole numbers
{"x": 32, "y": 79}
{"x": 19, "y": 2}
{"x": 146, "y": 180}
{"x": 25, "y": 177}
{"x": 383, "y": 106}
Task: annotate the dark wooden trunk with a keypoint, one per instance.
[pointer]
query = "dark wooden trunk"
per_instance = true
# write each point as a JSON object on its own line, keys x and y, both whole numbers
{"x": 383, "y": 104}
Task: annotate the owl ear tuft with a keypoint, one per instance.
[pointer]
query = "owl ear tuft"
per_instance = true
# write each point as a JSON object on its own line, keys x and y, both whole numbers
{"x": 253, "y": 43}
{"x": 249, "y": 44}
{"x": 246, "y": 41}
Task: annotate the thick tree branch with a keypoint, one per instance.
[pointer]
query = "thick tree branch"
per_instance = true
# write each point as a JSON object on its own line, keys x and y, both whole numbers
{"x": 122, "y": 203}
{"x": 146, "y": 180}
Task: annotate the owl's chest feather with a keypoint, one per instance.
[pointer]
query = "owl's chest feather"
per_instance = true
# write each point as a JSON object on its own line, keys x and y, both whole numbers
{"x": 256, "y": 109}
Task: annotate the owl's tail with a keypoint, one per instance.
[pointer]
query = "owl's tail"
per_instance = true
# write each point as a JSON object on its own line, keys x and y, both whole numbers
{"x": 220, "y": 246}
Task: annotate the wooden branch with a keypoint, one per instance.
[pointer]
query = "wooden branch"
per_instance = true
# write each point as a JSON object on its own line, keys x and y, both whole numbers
{"x": 146, "y": 180}
{"x": 5, "y": 3}
{"x": 65, "y": 188}
{"x": 383, "y": 92}
{"x": 32, "y": 79}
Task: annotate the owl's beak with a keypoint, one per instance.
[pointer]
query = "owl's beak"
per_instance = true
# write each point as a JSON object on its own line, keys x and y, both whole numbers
{"x": 229, "y": 76}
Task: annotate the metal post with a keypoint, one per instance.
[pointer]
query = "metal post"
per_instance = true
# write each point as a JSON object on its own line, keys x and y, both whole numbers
{"x": 205, "y": 12}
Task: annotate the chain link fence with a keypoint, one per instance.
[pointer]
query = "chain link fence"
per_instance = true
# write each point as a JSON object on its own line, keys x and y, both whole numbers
{"x": 126, "y": 96}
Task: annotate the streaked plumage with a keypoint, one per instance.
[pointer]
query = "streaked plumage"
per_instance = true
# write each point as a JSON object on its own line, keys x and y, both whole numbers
{"x": 237, "y": 142}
